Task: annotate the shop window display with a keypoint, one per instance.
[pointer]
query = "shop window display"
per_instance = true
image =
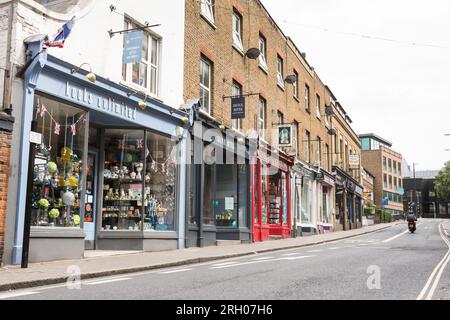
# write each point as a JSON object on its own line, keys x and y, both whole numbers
{"x": 139, "y": 181}
{"x": 275, "y": 198}
{"x": 264, "y": 177}
{"x": 160, "y": 183}
{"x": 58, "y": 164}
{"x": 123, "y": 180}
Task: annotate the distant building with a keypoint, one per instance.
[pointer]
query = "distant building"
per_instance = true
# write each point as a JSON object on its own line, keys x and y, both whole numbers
{"x": 387, "y": 167}
{"x": 420, "y": 195}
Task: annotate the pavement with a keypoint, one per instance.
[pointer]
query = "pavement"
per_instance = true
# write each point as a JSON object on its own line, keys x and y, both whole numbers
{"x": 388, "y": 263}
{"x": 104, "y": 264}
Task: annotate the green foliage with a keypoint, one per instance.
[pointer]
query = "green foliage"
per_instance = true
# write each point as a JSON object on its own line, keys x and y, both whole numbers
{"x": 442, "y": 184}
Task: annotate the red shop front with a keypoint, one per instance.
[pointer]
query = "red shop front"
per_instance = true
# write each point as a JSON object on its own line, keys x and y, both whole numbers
{"x": 271, "y": 209}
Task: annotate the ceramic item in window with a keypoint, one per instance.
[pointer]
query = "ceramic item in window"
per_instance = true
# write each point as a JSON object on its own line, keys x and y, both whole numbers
{"x": 139, "y": 169}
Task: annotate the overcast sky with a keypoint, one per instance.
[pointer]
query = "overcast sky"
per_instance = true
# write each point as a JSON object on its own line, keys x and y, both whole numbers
{"x": 400, "y": 92}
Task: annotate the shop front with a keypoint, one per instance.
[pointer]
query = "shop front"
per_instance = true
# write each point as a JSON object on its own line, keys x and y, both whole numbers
{"x": 348, "y": 201}
{"x": 271, "y": 191}
{"x": 301, "y": 197}
{"x": 325, "y": 191}
{"x": 219, "y": 207}
{"x": 108, "y": 170}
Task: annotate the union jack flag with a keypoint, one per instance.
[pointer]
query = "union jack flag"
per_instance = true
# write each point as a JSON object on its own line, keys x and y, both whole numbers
{"x": 60, "y": 37}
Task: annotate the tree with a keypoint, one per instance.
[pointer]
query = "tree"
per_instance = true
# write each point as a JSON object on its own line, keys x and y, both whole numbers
{"x": 442, "y": 184}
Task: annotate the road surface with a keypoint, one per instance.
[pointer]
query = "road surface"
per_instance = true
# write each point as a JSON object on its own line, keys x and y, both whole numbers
{"x": 391, "y": 264}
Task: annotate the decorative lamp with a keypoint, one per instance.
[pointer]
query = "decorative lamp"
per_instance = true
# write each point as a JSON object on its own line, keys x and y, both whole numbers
{"x": 90, "y": 76}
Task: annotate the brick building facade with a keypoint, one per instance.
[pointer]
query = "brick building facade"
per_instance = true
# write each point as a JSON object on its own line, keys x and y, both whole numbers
{"x": 218, "y": 36}
{"x": 6, "y": 123}
{"x": 386, "y": 165}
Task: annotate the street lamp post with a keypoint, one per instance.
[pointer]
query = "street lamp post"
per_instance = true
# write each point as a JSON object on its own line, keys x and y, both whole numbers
{"x": 415, "y": 188}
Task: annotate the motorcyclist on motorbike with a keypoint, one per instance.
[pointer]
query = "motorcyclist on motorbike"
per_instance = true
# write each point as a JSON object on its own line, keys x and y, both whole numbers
{"x": 411, "y": 217}
{"x": 412, "y": 221}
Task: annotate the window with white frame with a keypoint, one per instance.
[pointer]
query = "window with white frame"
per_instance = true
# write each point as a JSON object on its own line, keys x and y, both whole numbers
{"x": 318, "y": 113}
{"x": 236, "y": 92}
{"x": 207, "y": 10}
{"x": 307, "y": 141}
{"x": 237, "y": 31}
{"x": 205, "y": 84}
{"x": 263, "y": 55}
{"x": 295, "y": 85}
{"x": 295, "y": 139}
{"x": 307, "y": 98}
{"x": 145, "y": 73}
{"x": 280, "y": 71}
{"x": 262, "y": 118}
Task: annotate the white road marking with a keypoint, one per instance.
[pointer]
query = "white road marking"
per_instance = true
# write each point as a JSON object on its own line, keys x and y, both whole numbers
{"x": 295, "y": 258}
{"x": 436, "y": 272}
{"x": 335, "y": 248}
{"x": 175, "y": 271}
{"x": 395, "y": 237}
{"x": 261, "y": 261}
{"x": 94, "y": 283}
{"x": 291, "y": 254}
{"x": 225, "y": 263}
{"x": 264, "y": 258}
{"x": 17, "y": 294}
{"x": 315, "y": 251}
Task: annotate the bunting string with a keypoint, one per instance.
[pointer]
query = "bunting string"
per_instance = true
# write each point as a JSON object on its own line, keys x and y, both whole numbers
{"x": 43, "y": 111}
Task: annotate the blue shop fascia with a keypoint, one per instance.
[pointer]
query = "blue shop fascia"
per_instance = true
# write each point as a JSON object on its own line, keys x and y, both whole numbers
{"x": 107, "y": 161}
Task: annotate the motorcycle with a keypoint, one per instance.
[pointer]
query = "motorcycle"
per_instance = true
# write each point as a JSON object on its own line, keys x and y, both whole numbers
{"x": 412, "y": 226}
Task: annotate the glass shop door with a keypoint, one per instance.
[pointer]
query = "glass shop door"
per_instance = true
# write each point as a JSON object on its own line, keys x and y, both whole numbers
{"x": 91, "y": 201}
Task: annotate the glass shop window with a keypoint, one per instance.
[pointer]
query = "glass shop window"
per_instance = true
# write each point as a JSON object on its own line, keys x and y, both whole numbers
{"x": 264, "y": 178}
{"x": 139, "y": 181}
{"x": 275, "y": 198}
{"x": 57, "y": 184}
{"x": 123, "y": 180}
{"x": 226, "y": 197}
{"x": 208, "y": 196}
{"x": 160, "y": 183}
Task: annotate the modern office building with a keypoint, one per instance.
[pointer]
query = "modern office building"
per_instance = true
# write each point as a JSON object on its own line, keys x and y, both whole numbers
{"x": 387, "y": 166}
{"x": 420, "y": 196}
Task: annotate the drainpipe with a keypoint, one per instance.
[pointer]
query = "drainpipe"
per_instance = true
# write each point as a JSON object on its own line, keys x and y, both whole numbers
{"x": 7, "y": 82}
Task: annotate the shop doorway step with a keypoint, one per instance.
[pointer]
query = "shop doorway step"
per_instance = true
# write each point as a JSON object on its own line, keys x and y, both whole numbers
{"x": 224, "y": 243}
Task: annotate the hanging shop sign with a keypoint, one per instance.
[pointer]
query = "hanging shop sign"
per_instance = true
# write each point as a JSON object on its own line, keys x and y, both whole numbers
{"x": 133, "y": 47}
{"x": 354, "y": 160}
{"x": 358, "y": 190}
{"x": 351, "y": 186}
{"x": 285, "y": 135}
{"x": 238, "y": 108}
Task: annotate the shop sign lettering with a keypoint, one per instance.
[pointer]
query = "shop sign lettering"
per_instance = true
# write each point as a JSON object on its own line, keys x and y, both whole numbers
{"x": 104, "y": 103}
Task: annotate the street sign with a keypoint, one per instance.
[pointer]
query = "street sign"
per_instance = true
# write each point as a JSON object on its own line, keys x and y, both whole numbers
{"x": 385, "y": 202}
{"x": 238, "y": 108}
{"x": 133, "y": 47}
